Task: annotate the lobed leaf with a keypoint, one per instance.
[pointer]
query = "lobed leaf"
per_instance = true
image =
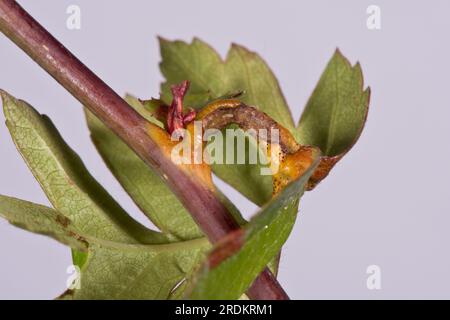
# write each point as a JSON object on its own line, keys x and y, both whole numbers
{"x": 65, "y": 180}
{"x": 212, "y": 77}
{"x": 42, "y": 220}
{"x": 126, "y": 271}
{"x": 112, "y": 270}
{"x": 242, "y": 70}
{"x": 335, "y": 113}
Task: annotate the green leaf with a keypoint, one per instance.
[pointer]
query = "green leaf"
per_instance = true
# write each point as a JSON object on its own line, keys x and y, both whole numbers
{"x": 112, "y": 270}
{"x": 144, "y": 111}
{"x": 79, "y": 258}
{"x": 125, "y": 271}
{"x": 65, "y": 180}
{"x": 245, "y": 177}
{"x": 144, "y": 186}
{"x": 236, "y": 261}
{"x": 242, "y": 70}
{"x": 42, "y": 220}
{"x": 211, "y": 77}
{"x": 336, "y": 112}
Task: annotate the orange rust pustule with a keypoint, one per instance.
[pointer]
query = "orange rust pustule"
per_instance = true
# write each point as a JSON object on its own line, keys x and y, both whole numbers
{"x": 226, "y": 248}
{"x": 292, "y": 166}
{"x": 201, "y": 171}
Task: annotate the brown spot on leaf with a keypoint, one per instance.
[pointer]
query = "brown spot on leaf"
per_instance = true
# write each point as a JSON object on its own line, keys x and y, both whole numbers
{"x": 78, "y": 237}
{"x": 226, "y": 247}
{"x": 322, "y": 170}
{"x": 62, "y": 220}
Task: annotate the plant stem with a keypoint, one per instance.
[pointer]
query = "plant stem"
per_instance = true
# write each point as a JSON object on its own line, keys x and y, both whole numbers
{"x": 208, "y": 212}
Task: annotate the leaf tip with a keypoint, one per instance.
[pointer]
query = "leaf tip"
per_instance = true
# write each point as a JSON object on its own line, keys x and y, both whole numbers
{"x": 358, "y": 69}
{"x": 368, "y": 93}
{"x": 162, "y": 40}
{"x": 240, "y": 48}
{"x": 7, "y": 102}
{"x": 340, "y": 57}
{"x": 197, "y": 40}
{"x": 338, "y": 52}
{"x": 5, "y": 96}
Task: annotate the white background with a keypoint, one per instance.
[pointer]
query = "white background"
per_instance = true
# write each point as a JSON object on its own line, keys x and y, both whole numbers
{"x": 387, "y": 203}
